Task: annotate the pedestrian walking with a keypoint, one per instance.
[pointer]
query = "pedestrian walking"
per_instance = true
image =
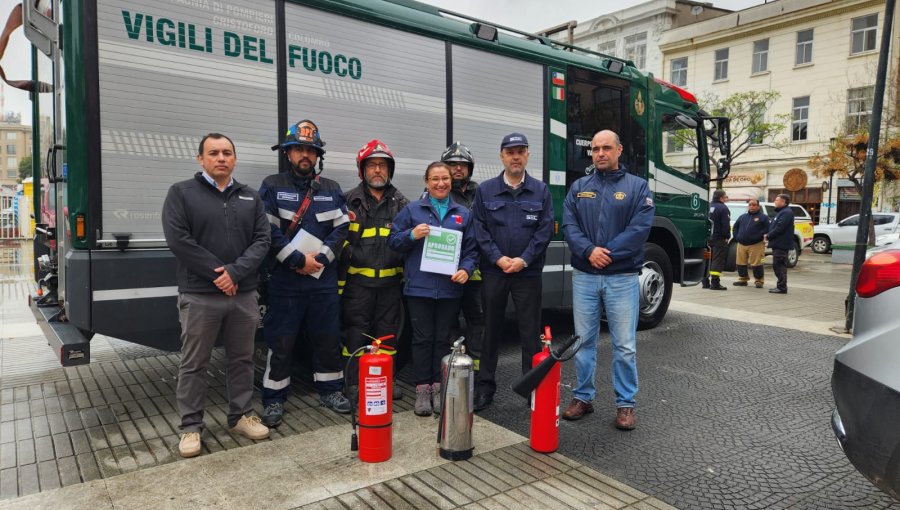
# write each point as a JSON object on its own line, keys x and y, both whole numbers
{"x": 607, "y": 219}
{"x": 432, "y": 297}
{"x": 749, "y": 231}
{"x": 217, "y": 256}
{"x": 309, "y": 221}
{"x": 781, "y": 239}
{"x": 513, "y": 225}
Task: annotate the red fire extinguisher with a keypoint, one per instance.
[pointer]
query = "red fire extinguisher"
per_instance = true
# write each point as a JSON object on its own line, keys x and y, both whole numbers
{"x": 545, "y": 402}
{"x": 376, "y": 379}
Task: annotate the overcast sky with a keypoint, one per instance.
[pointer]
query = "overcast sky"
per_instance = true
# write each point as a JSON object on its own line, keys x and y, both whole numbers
{"x": 527, "y": 15}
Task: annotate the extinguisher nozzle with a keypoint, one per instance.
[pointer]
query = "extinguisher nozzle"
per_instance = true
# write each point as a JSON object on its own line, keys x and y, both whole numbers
{"x": 354, "y": 443}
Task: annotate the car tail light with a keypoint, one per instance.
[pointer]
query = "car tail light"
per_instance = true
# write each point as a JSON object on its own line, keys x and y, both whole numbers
{"x": 878, "y": 274}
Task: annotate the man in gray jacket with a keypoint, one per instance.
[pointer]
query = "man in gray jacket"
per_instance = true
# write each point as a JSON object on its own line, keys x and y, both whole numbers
{"x": 218, "y": 231}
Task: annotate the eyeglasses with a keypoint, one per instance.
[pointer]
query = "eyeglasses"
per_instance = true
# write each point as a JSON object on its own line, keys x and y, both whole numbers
{"x": 376, "y": 165}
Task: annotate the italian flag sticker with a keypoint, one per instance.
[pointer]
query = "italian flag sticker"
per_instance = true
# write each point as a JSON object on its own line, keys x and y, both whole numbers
{"x": 559, "y": 93}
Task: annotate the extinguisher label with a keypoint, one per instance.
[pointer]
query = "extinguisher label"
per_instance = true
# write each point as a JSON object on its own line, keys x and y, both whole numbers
{"x": 376, "y": 395}
{"x": 374, "y": 370}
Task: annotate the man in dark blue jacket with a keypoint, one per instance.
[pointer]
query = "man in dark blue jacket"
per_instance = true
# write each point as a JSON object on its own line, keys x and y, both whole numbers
{"x": 781, "y": 239}
{"x": 720, "y": 217}
{"x": 309, "y": 223}
{"x": 607, "y": 218}
{"x": 513, "y": 223}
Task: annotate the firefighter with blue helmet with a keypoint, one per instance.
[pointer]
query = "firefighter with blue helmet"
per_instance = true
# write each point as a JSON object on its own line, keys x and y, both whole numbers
{"x": 309, "y": 222}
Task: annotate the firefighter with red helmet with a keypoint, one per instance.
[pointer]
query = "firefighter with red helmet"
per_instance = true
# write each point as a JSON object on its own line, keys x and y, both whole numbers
{"x": 309, "y": 222}
{"x": 371, "y": 279}
{"x": 462, "y": 164}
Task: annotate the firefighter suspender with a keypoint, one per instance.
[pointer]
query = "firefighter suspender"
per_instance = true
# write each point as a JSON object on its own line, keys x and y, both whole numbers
{"x": 301, "y": 211}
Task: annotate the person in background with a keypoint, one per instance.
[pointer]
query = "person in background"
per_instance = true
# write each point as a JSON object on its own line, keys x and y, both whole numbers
{"x": 781, "y": 239}
{"x": 749, "y": 231}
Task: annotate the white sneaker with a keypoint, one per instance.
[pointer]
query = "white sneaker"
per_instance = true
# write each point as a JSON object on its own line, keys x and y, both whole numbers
{"x": 189, "y": 446}
{"x": 251, "y": 427}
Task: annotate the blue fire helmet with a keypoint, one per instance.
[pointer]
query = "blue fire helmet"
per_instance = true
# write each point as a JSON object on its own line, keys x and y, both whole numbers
{"x": 304, "y": 132}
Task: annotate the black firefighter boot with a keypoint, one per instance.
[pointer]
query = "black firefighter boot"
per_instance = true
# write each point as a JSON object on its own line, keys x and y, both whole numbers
{"x": 742, "y": 277}
{"x": 705, "y": 282}
{"x": 758, "y": 275}
{"x": 714, "y": 284}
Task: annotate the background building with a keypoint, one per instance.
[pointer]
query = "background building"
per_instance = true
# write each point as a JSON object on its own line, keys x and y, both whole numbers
{"x": 821, "y": 55}
{"x": 15, "y": 144}
{"x": 634, "y": 33}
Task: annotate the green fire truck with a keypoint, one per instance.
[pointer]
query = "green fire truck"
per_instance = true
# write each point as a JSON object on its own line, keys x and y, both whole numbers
{"x": 135, "y": 84}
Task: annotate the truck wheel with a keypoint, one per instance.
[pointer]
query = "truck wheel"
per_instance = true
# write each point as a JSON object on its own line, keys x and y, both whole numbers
{"x": 793, "y": 255}
{"x": 821, "y": 244}
{"x": 655, "y": 286}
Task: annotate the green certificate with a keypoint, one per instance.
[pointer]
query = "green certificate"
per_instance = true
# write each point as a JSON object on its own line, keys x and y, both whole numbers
{"x": 441, "y": 251}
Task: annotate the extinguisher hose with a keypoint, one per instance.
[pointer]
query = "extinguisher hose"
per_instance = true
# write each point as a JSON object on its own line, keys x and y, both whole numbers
{"x": 354, "y": 441}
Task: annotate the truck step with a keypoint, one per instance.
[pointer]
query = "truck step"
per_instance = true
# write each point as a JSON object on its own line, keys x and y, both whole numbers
{"x": 63, "y": 337}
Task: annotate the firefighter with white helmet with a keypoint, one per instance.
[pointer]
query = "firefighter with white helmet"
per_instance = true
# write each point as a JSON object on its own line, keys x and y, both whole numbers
{"x": 309, "y": 222}
{"x": 371, "y": 274}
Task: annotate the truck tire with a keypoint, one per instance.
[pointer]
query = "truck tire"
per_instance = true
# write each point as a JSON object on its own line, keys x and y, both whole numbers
{"x": 793, "y": 256}
{"x": 655, "y": 287}
{"x": 821, "y": 244}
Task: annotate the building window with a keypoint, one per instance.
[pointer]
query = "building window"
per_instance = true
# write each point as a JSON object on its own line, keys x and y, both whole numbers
{"x": 679, "y": 71}
{"x": 10, "y": 149}
{"x": 760, "y": 56}
{"x": 636, "y": 49}
{"x": 863, "y": 34}
{"x": 859, "y": 107}
{"x": 800, "y": 118}
{"x": 804, "y": 47}
{"x": 757, "y": 117}
{"x": 12, "y": 135}
{"x": 12, "y": 164}
{"x": 607, "y": 48}
{"x": 721, "y": 71}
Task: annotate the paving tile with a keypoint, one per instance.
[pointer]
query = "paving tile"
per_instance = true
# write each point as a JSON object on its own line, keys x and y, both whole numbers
{"x": 97, "y": 438}
{"x": 37, "y": 407}
{"x": 7, "y": 455}
{"x": 52, "y": 405}
{"x": 143, "y": 457}
{"x": 9, "y": 483}
{"x": 114, "y": 435}
{"x": 7, "y": 431}
{"x": 23, "y": 429}
{"x": 6, "y": 396}
{"x": 82, "y": 400}
{"x": 130, "y": 432}
{"x": 7, "y": 412}
{"x": 73, "y": 420}
{"x": 29, "y": 482}
{"x": 48, "y": 475}
{"x": 40, "y": 426}
{"x": 106, "y": 415}
{"x": 68, "y": 471}
{"x": 145, "y": 428}
{"x": 80, "y": 442}
{"x": 22, "y": 409}
{"x": 57, "y": 423}
{"x": 89, "y": 418}
{"x": 87, "y": 467}
{"x": 25, "y": 451}
{"x": 107, "y": 463}
{"x": 161, "y": 451}
{"x": 62, "y": 445}
{"x": 43, "y": 449}
{"x": 125, "y": 458}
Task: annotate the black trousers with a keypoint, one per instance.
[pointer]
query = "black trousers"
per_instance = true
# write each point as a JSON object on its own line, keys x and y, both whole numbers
{"x": 473, "y": 313}
{"x": 526, "y": 296}
{"x": 375, "y": 311}
{"x": 779, "y": 267}
{"x": 431, "y": 322}
{"x": 719, "y": 256}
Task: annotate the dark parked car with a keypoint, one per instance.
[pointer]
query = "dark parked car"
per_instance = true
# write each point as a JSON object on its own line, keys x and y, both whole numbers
{"x": 866, "y": 378}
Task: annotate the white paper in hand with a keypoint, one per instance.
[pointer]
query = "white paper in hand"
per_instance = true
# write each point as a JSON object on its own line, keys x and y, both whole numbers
{"x": 304, "y": 242}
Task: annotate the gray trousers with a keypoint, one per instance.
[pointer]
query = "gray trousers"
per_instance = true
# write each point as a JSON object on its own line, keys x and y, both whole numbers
{"x": 204, "y": 317}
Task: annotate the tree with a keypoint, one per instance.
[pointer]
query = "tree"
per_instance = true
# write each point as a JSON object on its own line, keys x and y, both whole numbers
{"x": 749, "y": 123}
{"x": 25, "y": 170}
{"x": 846, "y": 157}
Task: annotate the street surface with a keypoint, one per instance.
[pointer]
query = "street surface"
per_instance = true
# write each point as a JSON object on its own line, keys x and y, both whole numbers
{"x": 733, "y": 412}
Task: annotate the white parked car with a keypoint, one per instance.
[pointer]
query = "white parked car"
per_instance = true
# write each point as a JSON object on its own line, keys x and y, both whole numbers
{"x": 844, "y": 231}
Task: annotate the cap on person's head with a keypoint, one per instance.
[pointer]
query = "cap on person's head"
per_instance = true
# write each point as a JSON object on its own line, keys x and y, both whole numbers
{"x": 514, "y": 140}
{"x": 719, "y": 194}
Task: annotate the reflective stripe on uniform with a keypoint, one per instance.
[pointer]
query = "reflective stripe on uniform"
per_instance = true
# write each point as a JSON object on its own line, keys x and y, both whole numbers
{"x": 340, "y": 220}
{"x": 370, "y": 272}
{"x": 372, "y": 232}
{"x": 284, "y": 213}
{"x": 715, "y": 273}
{"x": 329, "y": 215}
{"x": 270, "y": 384}
{"x": 274, "y": 220}
{"x": 284, "y": 253}
{"x": 354, "y": 226}
{"x": 330, "y": 376}
{"x": 325, "y": 250}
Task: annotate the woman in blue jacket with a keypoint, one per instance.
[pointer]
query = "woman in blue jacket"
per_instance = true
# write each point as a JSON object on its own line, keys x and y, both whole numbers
{"x": 432, "y": 299}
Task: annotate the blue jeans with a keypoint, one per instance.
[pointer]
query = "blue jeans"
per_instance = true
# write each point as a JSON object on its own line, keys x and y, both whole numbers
{"x": 617, "y": 294}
